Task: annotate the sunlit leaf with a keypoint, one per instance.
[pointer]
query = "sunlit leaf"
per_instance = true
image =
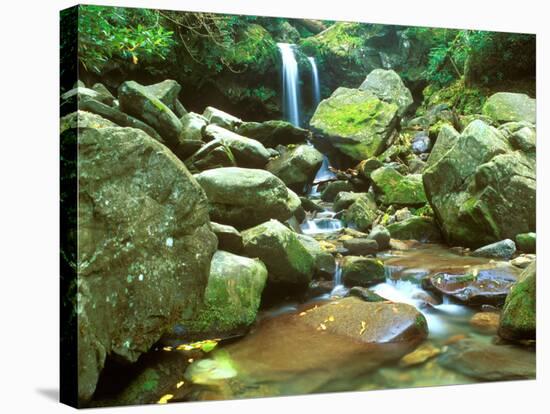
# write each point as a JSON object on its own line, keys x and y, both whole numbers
{"x": 165, "y": 398}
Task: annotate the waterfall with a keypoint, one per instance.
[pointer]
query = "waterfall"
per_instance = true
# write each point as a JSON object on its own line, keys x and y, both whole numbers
{"x": 315, "y": 82}
{"x": 290, "y": 84}
{"x": 338, "y": 287}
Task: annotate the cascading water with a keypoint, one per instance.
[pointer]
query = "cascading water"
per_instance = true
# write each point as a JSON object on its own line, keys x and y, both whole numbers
{"x": 338, "y": 288}
{"x": 291, "y": 95}
{"x": 315, "y": 82}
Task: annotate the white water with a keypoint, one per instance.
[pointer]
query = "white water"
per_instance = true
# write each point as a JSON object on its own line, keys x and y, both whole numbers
{"x": 290, "y": 84}
{"x": 315, "y": 82}
{"x": 338, "y": 288}
{"x": 321, "y": 225}
{"x": 323, "y": 174}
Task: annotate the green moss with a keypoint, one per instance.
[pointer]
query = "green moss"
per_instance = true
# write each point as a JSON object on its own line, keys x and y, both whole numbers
{"x": 457, "y": 96}
{"x": 350, "y": 119}
{"x": 255, "y": 48}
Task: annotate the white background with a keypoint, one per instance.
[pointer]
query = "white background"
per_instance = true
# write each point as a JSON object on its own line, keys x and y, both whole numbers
{"x": 29, "y": 204}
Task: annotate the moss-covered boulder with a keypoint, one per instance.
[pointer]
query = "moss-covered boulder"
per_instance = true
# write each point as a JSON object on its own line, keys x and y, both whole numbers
{"x": 357, "y": 123}
{"x": 522, "y": 135}
{"x": 366, "y": 167}
{"x": 345, "y": 199}
{"x": 273, "y": 133}
{"x": 518, "y": 319}
{"x": 482, "y": 190}
{"x": 423, "y": 229}
{"x": 325, "y": 265}
{"x": 144, "y": 246}
{"x": 506, "y": 107}
{"x": 136, "y": 100}
{"x": 288, "y": 261}
{"x": 167, "y": 92}
{"x": 527, "y": 242}
{"x": 248, "y": 153}
{"x": 382, "y": 236}
{"x": 244, "y": 197}
{"x": 332, "y": 189}
{"x": 296, "y": 166}
{"x": 446, "y": 138}
{"x": 362, "y": 271}
{"x": 231, "y": 299}
{"x": 388, "y": 86}
{"x": 361, "y": 214}
{"x": 394, "y": 188}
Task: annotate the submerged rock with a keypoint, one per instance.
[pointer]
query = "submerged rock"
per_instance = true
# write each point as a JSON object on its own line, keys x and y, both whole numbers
{"x": 503, "y": 249}
{"x": 288, "y": 261}
{"x": 136, "y": 100}
{"x": 394, "y": 188}
{"x": 243, "y": 197}
{"x": 355, "y": 122}
{"x": 248, "y": 153}
{"x": 489, "y": 362}
{"x": 231, "y": 299}
{"x": 273, "y": 133}
{"x": 507, "y": 106}
{"x": 423, "y": 229}
{"x": 296, "y": 166}
{"x": 485, "y": 322}
{"x": 481, "y": 190}
{"x": 362, "y": 271}
{"x": 519, "y": 319}
{"x": 144, "y": 246}
{"x": 388, "y": 86}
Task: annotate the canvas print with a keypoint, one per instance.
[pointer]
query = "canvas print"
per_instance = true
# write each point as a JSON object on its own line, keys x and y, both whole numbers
{"x": 262, "y": 206}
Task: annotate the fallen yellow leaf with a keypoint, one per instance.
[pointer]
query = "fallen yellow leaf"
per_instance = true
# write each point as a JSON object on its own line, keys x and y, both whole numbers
{"x": 331, "y": 318}
{"x": 165, "y": 398}
{"x": 303, "y": 314}
{"x": 179, "y": 384}
{"x": 363, "y": 327}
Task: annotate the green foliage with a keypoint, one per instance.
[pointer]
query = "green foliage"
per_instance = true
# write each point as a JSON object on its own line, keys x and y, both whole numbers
{"x": 121, "y": 33}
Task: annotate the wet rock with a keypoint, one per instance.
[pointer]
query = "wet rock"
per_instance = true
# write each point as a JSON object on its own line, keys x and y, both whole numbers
{"x": 527, "y": 242}
{"x": 362, "y": 271}
{"x": 503, "y": 249}
{"x": 248, "y": 153}
{"x": 519, "y": 319}
{"x": 506, "y": 107}
{"x": 361, "y": 247}
{"x": 296, "y": 166}
{"x": 231, "y": 299}
{"x": 136, "y": 100}
{"x": 420, "y": 355}
{"x": 243, "y": 197}
{"x": 446, "y": 139}
{"x": 479, "y": 287}
{"x": 421, "y": 143}
{"x": 325, "y": 265}
{"x": 381, "y": 235}
{"x": 273, "y": 133}
{"x": 365, "y": 294}
{"x": 485, "y": 322}
{"x": 333, "y": 188}
{"x": 221, "y": 119}
{"x": 345, "y": 199}
{"x": 522, "y": 261}
{"x": 481, "y": 190}
{"x": 310, "y": 205}
{"x": 229, "y": 239}
{"x": 355, "y": 122}
{"x": 418, "y": 228}
{"x": 288, "y": 261}
{"x": 366, "y": 167}
{"x": 144, "y": 246}
{"x": 360, "y": 214}
{"x": 388, "y": 86}
{"x": 396, "y": 189}
{"x": 489, "y": 362}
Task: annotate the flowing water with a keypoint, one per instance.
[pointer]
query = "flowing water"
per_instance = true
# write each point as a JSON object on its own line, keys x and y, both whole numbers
{"x": 291, "y": 95}
{"x": 316, "y": 88}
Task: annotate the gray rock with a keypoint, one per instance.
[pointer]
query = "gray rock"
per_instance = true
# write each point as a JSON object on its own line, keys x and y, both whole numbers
{"x": 388, "y": 86}
{"x": 167, "y": 92}
{"x": 333, "y": 188}
{"x": 362, "y": 271}
{"x": 229, "y": 238}
{"x": 273, "y": 133}
{"x": 507, "y": 107}
{"x": 296, "y": 166}
{"x": 503, "y": 249}
{"x": 325, "y": 265}
{"x": 344, "y": 199}
{"x": 215, "y": 154}
{"x": 446, "y": 139}
{"x": 222, "y": 119}
{"x": 381, "y": 235}
{"x": 361, "y": 247}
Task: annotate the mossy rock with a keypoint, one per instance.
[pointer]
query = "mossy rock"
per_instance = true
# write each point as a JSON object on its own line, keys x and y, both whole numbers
{"x": 333, "y": 188}
{"x": 423, "y": 229}
{"x": 388, "y": 86}
{"x": 355, "y": 122}
{"x": 362, "y": 271}
{"x": 527, "y": 242}
{"x": 361, "y": 214}
{"x": 508, "y": 107}
{"x": 518, "y": 319}
{"x": 396, "y": 189}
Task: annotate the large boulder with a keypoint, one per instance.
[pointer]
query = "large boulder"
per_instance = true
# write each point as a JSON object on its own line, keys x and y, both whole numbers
{"x": 190, "y": 139}
{"x": 144, "y": 246}
{"x": 482, "y": 190}
{"x": 273, "y": 133}
{"x": 527, "y": 242}
{"x": 167, "y": 92}
{"x": 394, "y": 188}
{"x": 231, "y": 299}
{"x": 506, "y": 107}
{"x": 332, "y": 189}
{"x": 288, "y": 261}
{"x": 248, "y": 153}
{"x": 222, "y": 119}
{"x": 519, "y": 318}
{"x": 503, "y": 249}
{"x": 362, "y": 271}
{"x": 296, "y": 166}
{"x": 243, "y": 197}
{"x": 357, "y": 123}
{"x": 388, "y": 86}
{"x": 344, "y": 199}
{"x": 136, "y": 100}
{"x": 325, "y": 265}
{"x": 361, "y": 214}
{"x": 446, "y": 139}
{"x": 215, "y": 154}
{"x": 423, "y": 229}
